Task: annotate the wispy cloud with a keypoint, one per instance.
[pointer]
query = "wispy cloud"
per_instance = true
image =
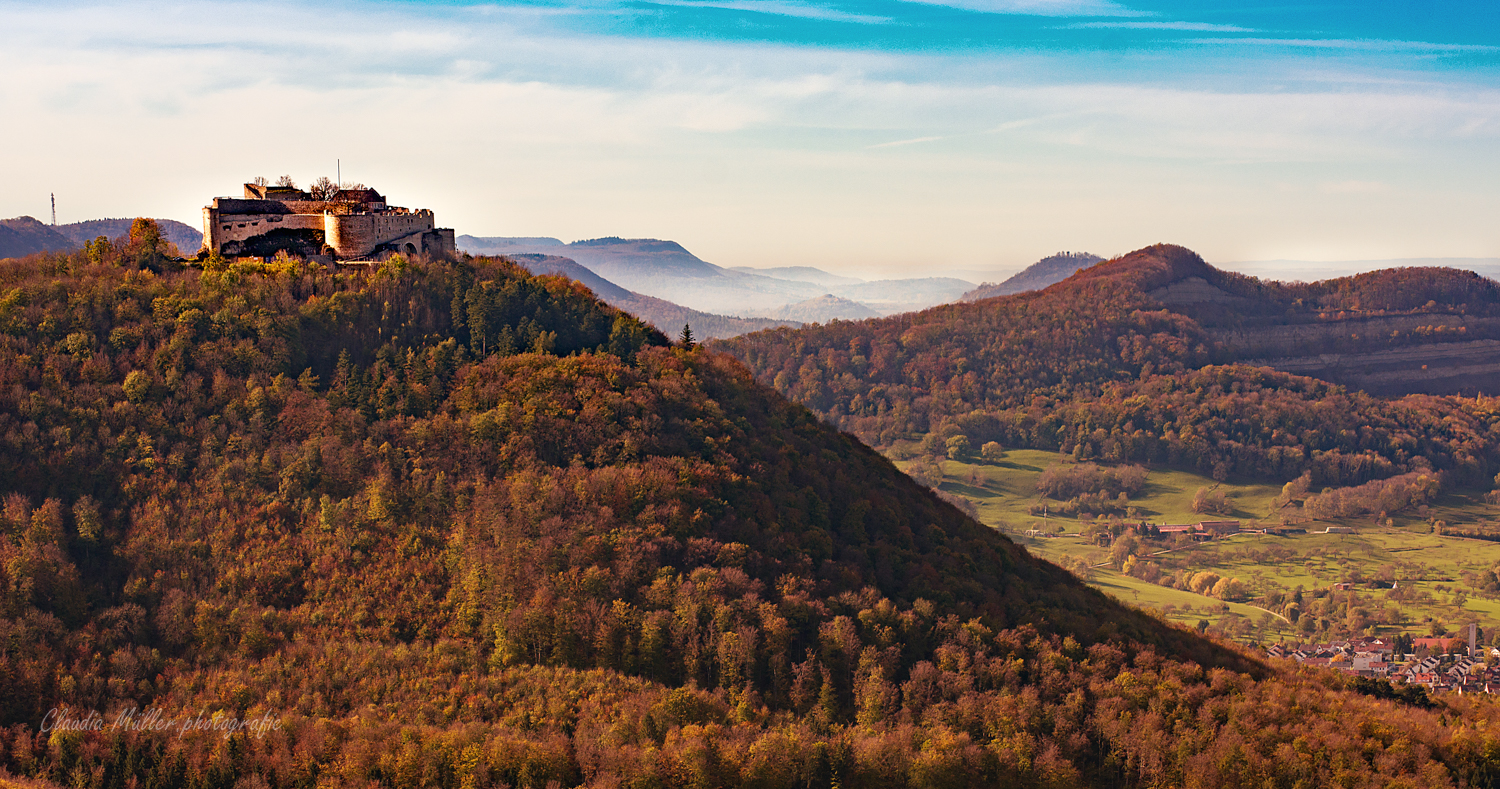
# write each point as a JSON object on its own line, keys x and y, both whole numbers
{"x": 1368, "y": 45}
{"x": 1037, "y": 7}
{"x": 1354, "y": 187}
{"x": 1013, "y": 125}
{"x": 1192, "y": 26}
{"x": 780, "y": 8}
{"x": 515, "y": 122}
{"x": 900, "y": 143}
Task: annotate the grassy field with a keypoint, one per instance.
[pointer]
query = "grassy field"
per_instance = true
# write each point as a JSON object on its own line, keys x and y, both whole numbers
{"x": 1435, "y": 575}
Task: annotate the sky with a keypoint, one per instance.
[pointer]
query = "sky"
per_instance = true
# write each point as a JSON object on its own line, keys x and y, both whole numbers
{"x": 875, "y": 138}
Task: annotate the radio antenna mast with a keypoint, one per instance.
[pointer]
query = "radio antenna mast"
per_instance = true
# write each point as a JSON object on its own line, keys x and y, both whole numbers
{"x": 54, "y": 209}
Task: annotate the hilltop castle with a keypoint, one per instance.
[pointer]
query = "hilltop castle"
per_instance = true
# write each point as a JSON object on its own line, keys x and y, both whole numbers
{"x": 351, "y": 224}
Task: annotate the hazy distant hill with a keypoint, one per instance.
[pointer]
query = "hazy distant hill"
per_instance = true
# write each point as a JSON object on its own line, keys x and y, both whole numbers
{"x": 663, "y": 269}
{"x": 800, "y": 274}
{"x": 187, "y": 238}
{"x": 504, "y": 245}
{"x": 823, "y": 309}
{"x": 660, "y": 313}
{"x": 1304, "y": 270}
{"x": 1038, "y": 275}
{"x": 25, "y": 235}
{"x": 890, "y": 296}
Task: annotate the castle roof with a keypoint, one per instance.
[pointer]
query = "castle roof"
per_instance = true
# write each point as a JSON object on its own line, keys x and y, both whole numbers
{"x": 273, "y": 192}
{"x": 365, "y": 195}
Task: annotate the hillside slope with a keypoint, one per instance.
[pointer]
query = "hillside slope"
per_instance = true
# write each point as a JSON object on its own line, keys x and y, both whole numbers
{"x": 459, "y": 491}
{"x": 453, "y": 524}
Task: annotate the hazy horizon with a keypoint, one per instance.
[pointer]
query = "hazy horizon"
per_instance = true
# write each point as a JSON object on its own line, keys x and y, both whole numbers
{"x": 898, "y": 138}
{"x": 1281, "y": 269}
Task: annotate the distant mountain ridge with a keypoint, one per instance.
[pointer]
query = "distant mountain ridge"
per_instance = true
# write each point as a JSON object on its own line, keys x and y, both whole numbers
{"x": 662, "y": 269}
{"x": 1038, "y": 275}
{"x": 667, "y": 270}
{"x": 662, "y": 314}
{"x": 799, "y": 274}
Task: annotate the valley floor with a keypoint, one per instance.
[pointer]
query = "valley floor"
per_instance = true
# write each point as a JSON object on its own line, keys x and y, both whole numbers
{"x": 1439, "y": 579}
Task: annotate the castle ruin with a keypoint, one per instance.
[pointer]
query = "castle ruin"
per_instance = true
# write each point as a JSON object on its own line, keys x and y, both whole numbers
{"x": 351, "y": 224}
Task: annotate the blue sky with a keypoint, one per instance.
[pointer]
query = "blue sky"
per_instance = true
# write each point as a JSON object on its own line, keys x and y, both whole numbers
{"x": 874, "y": 138}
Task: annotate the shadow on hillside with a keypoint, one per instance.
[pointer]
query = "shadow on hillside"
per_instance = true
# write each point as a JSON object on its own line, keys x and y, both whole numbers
{"x": 967, "y": 490}
{"x": 1154, "y": 489}
{"x": 1236, "y": 513}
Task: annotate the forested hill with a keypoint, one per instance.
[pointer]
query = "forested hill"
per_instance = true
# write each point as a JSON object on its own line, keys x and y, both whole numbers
{"x": 451, "y": 524}
{"x": 197, "y": 402}
{"x": 1150, "y": 357}
{"x": 1391, "y": 332}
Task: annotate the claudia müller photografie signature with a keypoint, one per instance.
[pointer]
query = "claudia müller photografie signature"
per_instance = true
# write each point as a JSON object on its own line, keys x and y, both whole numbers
{"x": 154, "y": 719}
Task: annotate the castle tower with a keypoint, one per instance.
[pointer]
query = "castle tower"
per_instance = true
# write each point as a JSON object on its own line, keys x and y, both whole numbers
{"x": 351, "y": 224}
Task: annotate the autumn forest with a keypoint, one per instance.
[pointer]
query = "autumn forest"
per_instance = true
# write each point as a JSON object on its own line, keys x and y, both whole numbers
{"x": 451, "y": 524}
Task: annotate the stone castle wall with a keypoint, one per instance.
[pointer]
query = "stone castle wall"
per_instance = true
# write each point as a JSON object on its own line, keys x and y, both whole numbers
{"x": 220, "y": 228}
{"x": 360, "y": 235}
{"x": 350, "y": 230}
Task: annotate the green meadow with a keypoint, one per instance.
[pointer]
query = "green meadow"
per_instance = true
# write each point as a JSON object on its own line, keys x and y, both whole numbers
{"x": 1436, "y": 578}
